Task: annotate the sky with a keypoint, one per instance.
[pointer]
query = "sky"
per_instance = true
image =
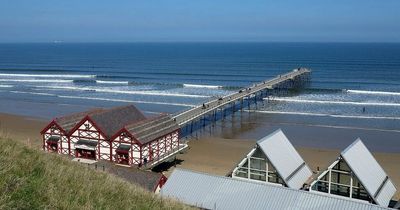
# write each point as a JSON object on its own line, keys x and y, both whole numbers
{"x": 200, "y": 21}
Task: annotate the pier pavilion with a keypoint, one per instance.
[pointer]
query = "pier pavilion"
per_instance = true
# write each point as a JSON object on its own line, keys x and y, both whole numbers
{"x": 122, "y": 135}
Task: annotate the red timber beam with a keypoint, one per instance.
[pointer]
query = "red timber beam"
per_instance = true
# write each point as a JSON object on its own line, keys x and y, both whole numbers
{"x": 62, "y": 133}
{"x": 168, "y": 138}
{"x": 163, "y": 179}
{"x": 133, "y": 142}
{"x": 98, "y": 133}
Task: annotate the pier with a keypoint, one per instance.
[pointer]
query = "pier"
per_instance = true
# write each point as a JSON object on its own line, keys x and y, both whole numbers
{"x": 219, "y": 108}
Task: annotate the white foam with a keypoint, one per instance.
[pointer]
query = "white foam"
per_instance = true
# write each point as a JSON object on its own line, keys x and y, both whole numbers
{"x": 112, "y": 82}
{"x": 34, "y": 93}
{"x": 329, "y": 115}
{"x": 49, "y": 75}
{"x": 127, "y": 101}
{"x": 202, "y": 86}
{"x": 333, "y": 102}
{"x": 37, "y": 80}
{"x": 6, "y": 86}
{"x": 156, "y": 93}
{"x": 373, "y": 92}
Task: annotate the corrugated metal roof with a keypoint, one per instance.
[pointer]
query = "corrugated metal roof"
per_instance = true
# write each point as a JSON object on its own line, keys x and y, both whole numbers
{"x": 369, "y": 172}
{"x": 285, "y": 159}
{"x": 217, "y": 192}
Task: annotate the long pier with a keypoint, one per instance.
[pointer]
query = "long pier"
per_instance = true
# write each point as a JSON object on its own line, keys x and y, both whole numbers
{"x": 216, "y": 109}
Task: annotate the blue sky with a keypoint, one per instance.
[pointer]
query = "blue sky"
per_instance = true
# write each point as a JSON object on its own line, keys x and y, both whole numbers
{"x": 200, "y": 20}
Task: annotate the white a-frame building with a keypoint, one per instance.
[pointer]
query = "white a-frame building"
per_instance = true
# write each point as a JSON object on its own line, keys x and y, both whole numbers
{"x": 274, "y": 160}
{"x": 356, "y": 174}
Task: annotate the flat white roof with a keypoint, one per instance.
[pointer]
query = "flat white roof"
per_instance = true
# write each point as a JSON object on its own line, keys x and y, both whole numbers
{"x": 285, "y": 159}
{"x": 369, "y": 172}
{"x": 218, "y": 192}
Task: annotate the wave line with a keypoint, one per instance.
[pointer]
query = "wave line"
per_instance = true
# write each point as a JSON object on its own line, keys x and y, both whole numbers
{"x": 373, "y": 92}
{"x": 127, "y": 101}
{"x": 125, "y": 91}
{"x": 327, "y": 115}
{"x": 333, "y": 102}
{"x": 6, "y": 86}
{"x": 112, "y": 82}
{"x": 37, "y": 80}
{"x": 49, "y": 75}
{"x": 202, "y": 86}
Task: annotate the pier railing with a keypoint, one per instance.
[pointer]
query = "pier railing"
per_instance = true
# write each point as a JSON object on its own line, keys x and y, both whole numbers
{"x": 210, "y": 106}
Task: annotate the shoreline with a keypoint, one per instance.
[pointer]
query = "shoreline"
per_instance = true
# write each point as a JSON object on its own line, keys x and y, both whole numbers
{"x": 218, "y": 154}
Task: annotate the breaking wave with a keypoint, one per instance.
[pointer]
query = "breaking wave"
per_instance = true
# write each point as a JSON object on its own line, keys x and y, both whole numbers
{"x": 6, "y": 86}
{"x": 156, "y": 93}
{"x": 104, "y": 99}
{"x": 48, "y": 75}
{"x": 373, "y": 92}
{"x": 328, "y": 115}
{"x": 333, "y": 102}
{"x": 112, "y": 82}
{"x": 127, "y": 101}
{"x": 34, "y": 93}
{"x": 202, "y": 86}
{"x": 38, "y": 80}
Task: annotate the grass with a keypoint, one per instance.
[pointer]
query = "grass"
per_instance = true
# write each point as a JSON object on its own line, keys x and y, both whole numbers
{"x": 32, "y": 179}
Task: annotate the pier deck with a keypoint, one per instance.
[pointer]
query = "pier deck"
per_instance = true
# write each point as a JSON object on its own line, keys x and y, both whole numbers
{"x": 197, "y": 112}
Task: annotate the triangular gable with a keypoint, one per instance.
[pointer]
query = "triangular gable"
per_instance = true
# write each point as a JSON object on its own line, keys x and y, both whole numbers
{"x": 89, "y": 119}
{"x": 275, "y": 155}
{"x": 52, "y": 123}
{"x": 359, "y": 176}
{"x": 339, "y": 180}
{"x": 369, "y": 172}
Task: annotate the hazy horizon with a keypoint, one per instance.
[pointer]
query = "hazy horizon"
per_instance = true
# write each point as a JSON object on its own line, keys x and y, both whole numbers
{"x": 91, "y": 21}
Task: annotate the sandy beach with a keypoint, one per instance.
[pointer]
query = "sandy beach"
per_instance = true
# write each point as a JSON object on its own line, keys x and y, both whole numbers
{"x": 21, "y": 128}
{"x": 213, "y": 155}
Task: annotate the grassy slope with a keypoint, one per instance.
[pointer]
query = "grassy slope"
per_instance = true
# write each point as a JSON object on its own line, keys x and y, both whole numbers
{"x": 32, "y": 179}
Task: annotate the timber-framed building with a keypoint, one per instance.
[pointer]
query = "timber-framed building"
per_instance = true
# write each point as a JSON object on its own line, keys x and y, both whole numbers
{"x": 123, "y": 135}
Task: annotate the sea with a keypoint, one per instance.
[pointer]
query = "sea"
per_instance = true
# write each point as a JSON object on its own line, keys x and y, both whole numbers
{"x": 352, "y": 84}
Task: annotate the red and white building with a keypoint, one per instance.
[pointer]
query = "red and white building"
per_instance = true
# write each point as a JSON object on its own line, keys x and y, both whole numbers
{"x": 147, "y": 143}
{"x": 122, "y": 135}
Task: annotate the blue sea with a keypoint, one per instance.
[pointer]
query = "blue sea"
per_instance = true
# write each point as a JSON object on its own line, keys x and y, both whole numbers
{"x": 356, "y": 84}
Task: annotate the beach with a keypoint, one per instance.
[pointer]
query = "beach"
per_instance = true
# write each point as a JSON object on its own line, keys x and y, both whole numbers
{"x": 219, "y": 155}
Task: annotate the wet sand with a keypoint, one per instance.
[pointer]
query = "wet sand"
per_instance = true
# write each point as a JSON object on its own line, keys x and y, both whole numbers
{"x": 220, "y": 154}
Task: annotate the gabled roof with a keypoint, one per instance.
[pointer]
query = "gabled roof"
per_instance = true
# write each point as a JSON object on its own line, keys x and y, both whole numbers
{"x": 369, "y": 172}
{"x": 150, "y": 129}
{"x": 218, "y": 192}
{"x": 68, "y": 122}
{"x": 108, "y": 120}
{"x": 285, "y": 159}
{"x": 112, "y": 120}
